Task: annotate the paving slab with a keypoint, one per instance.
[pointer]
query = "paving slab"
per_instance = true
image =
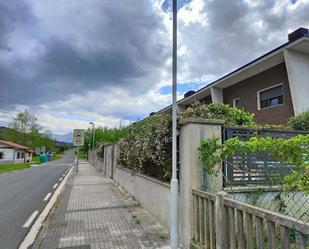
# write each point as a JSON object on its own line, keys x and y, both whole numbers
{"x": 93, "y": 213}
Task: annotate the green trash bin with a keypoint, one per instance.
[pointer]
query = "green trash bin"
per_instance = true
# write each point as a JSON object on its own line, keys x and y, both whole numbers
{"x": 43, "y": 158}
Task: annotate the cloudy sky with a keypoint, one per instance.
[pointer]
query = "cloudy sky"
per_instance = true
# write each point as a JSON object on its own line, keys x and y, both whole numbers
{"x": 74, "y": 61}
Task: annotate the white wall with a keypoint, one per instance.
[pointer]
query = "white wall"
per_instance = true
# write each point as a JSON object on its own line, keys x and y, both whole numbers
{"x": 20, "y": 160}
{"x": 100, "y": 165}
{"x": 8, "y": 154}
{"x": 297, "y": 65}
{"x": 152, "y": 194}
{"x": 216, "y": 95}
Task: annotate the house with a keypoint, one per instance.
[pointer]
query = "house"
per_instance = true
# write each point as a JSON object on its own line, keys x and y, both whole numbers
{"x": 274, "y": 86}
{"x": 14, "y": 153}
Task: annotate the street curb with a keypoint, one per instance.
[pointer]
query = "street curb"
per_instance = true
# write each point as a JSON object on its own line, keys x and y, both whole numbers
{"x": 36, "y": 227}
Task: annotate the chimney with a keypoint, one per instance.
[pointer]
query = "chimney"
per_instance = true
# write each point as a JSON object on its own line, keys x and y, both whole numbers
{"x": 298, "y": 33}
{"x": 188, "y": 94}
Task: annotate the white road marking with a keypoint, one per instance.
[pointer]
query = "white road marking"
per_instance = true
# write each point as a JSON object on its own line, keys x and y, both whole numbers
{"x": 60, "y": 179}
{"x": 55, "y": 186}
{"x": 47, "y": 196}
{"x": 36, "y": 227}
{"x": 31, "y": 218}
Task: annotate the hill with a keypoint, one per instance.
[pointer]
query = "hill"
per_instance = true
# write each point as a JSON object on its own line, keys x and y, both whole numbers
{"x": 2, "y": 130}
{"x": 66, "y": 138}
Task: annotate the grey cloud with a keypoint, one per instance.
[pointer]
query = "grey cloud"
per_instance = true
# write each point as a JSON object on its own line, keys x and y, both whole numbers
{"x": 12, "y": 14}
{"x": 106, "y": 43}
{"x": 222, "y": 14}
{"x": 233, "y": 38}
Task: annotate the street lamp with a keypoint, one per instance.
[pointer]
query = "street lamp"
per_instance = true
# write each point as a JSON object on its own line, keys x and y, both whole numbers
{"x": 174, "y": 180}
{"x": 93, "y": 130}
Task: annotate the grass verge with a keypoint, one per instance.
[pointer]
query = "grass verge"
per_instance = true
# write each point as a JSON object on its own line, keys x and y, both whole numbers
{"x": 19, "y": 166}
{"x": 15, "y": 166}
{"x": 57, "y": 156}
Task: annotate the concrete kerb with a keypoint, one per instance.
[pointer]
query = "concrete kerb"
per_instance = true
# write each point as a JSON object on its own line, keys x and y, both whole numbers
{"x": 36, "y": 227}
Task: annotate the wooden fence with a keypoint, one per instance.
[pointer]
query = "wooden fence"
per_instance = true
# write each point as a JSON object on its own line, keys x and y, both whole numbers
{"x": 222, "y": 223}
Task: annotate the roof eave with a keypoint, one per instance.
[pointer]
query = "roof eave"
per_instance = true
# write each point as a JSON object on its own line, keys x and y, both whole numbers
{"x": 254, "y": 63}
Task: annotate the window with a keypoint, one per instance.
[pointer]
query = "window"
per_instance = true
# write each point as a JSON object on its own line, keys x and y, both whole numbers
{"x": 236, "y": 103}
{"x": 22, "y": 155}
{"x": 270, "y": 97}
{"x": 1, "y": 155}
{"x": 18, "y": 155}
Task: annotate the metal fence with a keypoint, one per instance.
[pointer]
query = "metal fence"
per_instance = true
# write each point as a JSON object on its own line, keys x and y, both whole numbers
{"x": 255, "y": 169}
{"x": 258, "y": 179}
{"x": 247, "y": 133}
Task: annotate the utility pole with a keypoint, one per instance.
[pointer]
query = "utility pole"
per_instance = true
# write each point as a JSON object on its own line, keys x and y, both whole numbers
{"x": 174, "y": 180}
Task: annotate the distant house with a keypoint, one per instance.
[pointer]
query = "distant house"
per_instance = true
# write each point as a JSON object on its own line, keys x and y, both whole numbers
{"x": 14, "y": 153}
{"x": 274, "y": 86}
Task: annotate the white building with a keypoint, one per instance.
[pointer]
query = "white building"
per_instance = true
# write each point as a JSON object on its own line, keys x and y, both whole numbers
{"x": 14, "y": 153}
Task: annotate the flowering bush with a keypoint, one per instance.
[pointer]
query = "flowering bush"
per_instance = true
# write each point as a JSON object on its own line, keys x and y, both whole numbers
{"x": 100, "y": 152}
{"x": 147, "y": 147}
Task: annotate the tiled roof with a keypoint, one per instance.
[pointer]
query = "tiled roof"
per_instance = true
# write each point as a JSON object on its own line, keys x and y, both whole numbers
{"x": 14, "y": 145}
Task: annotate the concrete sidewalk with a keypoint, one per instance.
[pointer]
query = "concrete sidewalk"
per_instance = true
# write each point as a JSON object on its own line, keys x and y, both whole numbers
{"x": 93, "y": 213}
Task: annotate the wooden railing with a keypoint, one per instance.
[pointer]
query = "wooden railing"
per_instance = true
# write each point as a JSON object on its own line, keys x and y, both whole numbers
{"x": 222, "y": 223}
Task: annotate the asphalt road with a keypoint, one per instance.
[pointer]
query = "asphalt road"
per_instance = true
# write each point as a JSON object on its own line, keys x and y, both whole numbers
{"x": 24, "y": 194}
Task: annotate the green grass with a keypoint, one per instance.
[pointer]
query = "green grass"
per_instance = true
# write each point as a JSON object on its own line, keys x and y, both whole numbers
{"x": 19, "y": 166}
{"x": 57, "y": 156}
{"x": 14, "y": 166}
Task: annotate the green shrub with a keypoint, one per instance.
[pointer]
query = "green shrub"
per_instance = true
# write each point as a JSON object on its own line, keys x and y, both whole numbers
{"x": 147, "y": 147}
{"x": 294, "y": 150}
{"x": 103, "y": 135}
{"x": 300, "y": 122}
{"x": 232, "y": 116}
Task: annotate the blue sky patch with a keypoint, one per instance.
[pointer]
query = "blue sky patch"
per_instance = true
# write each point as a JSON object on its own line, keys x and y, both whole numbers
{"x": 167, "y": 4}
{"x": 181, "y": 88}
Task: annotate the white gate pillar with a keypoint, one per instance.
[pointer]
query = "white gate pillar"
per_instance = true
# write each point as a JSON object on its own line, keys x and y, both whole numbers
{"x": 192, "y": 132}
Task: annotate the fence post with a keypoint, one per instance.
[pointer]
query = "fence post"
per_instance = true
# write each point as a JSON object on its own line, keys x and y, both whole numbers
{"x": 105, "y": 160}
{"x": 221, "y": 222}
{"x": 192, "y": 132}
{"x": 95, "y": 158}
{"x": 90, "y": 157}
{"x": 115, "y": 159}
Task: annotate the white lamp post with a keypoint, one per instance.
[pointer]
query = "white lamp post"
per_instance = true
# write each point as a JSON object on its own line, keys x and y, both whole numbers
{"x": 174, "y": 181}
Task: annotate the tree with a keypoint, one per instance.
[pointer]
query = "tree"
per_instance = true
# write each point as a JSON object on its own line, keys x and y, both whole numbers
{"x": 25, "y": 122}
{"x": 26, "y": 130}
